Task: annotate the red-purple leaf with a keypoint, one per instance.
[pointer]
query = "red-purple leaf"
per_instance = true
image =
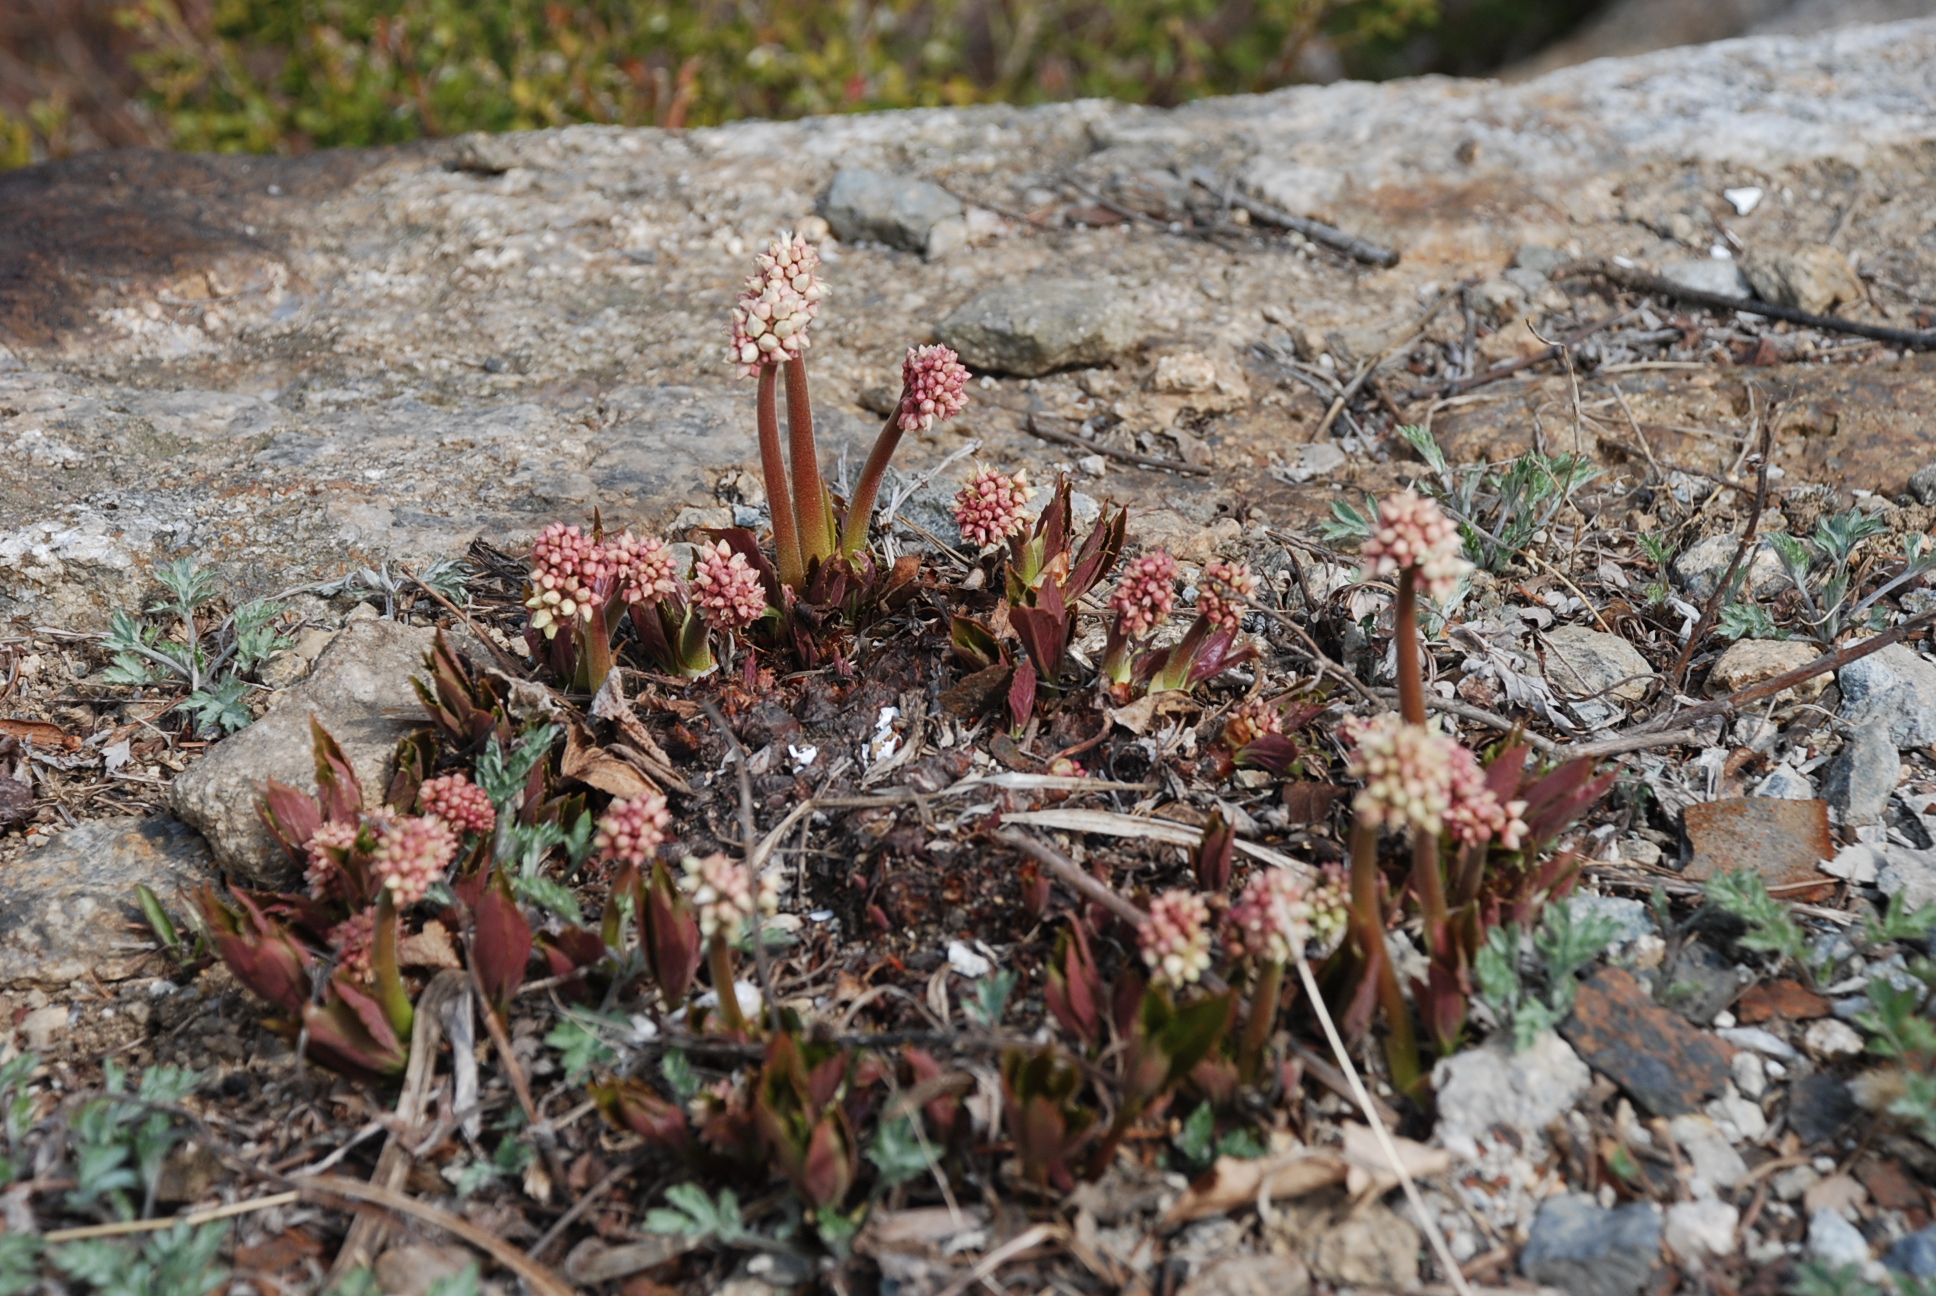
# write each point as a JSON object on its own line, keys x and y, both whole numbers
{"x": 501, "y": 942}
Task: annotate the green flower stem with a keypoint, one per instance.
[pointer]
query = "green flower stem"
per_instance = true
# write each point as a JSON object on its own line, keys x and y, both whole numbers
{"x": 860, "y": 508}
{"x": 812, "y": 507}
{"x": 384, "y": 967}
{"x": 779, "y": 494}
{"x": 719, "y": 960}
{"x": 1401, "y": 1045}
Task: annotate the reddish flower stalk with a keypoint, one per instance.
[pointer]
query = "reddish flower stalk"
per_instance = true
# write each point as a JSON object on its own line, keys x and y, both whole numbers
{"x": 933, "y": 386}
{"x": 813, "y": 508}
{"x": 779, "y": 489}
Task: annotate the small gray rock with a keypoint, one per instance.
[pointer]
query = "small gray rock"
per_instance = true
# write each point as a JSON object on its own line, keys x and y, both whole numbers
{"x": 1586, "y": 1250}
{"x": 1909, "y": 871}
{"x": 1583, "y": 662}
{"x": 1542, "y": 261}
{"x": 899, "y": 211}
{"x": 1706, "y": 562}
{"x": 1863, "y": 775}
{"x": 1923, "y": 484}
{"x": 1896, "y": 687}
{"x": 1834, "y": 1241}
{"x": 1785, "y": 783}
{"x": 1250, "y": 1275}
{"x": 1813, "y": 278}
{"x": 360, "y": 692}
{"x": 1492, "y": 1085}
{"x": 1033, "y": 327}
{"x": 1712, "y": 276}
{"x": 1630, "y": 917}
{"x": 1914, "y": 1255}
{"x": 65, "y": 907}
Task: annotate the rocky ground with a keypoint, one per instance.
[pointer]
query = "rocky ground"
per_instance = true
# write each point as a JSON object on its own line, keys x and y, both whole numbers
{"x": 295, "y": 370}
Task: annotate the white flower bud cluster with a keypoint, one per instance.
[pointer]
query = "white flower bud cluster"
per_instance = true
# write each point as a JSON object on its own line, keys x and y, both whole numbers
{"x": 779, "y": 301}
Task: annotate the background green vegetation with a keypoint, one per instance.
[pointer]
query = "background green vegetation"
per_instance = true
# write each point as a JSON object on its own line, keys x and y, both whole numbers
{"x": 288, "y": 75}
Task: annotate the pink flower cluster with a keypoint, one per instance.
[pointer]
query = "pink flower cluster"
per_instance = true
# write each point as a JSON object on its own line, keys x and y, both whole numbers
{"x": 1252, "y": 721}
{"x": 1476, "y": 814}
{"x": 722, "y": 895}
{"x": 410, "y": 855}
{"x": 1223, "y": 591}
{"x": 1279, "y": 915}
{"x": 1413, "y": 532}
{"x": 1144, "y": 594}
{"x": 1406, "y": 768}
{"x": 990, "y": 508}
{"x": 327, "y": 845}
{"x": 726, "y": 589}
{"x": 632, "y": 830}
{"x": 458, "y": 802}
{"x": 1175, "y": 942}
{"x": 644, "y": 566}
{"x": 934, "y": 385}
{"x": 566, "y": 567}
{"x": 353, "y": 940}
{"x": 777, "y": 304}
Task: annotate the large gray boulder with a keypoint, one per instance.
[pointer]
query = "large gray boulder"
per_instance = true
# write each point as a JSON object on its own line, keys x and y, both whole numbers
{"x": 360, "y": 692}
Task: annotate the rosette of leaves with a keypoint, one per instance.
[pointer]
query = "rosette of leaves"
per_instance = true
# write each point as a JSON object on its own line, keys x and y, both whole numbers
{"x": 184, "y": 642}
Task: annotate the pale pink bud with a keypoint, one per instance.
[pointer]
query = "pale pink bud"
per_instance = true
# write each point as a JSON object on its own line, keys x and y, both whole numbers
{"x": 410, "y": 855}
{"x": 1223, "y": 592}
{"x": 1175, "y": 941}
{"x": 934, "y": 385}
{"x": 632, "y": 830}
{"x": 1412, "y": 532}
{"x": 776, "y": 304}
{"x": 1476, "y": 815}
{"x": 644, "y": 567}
{"x": 1279, "y": 915}
{"x": 722, "y": 896}
{"x": 458, "y": 802}
{"x": 1144, "y": 594}
{"x": 353, "y": 940}
{"x": 1406, "y": 768}
{"x": 991, "y": 507}
{"x": 728, "y": 592}
{"x": 327, "y": 847}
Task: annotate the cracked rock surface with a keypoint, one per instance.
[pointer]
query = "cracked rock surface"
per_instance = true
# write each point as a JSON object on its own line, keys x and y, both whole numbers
{"x": 292, "y": 365}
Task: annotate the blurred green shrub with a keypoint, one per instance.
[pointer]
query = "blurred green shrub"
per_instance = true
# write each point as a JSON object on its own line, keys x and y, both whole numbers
{"x": 286, "y": 75}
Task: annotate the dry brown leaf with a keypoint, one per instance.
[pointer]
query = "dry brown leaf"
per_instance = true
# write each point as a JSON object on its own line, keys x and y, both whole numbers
{"x": 1837, "y": 1193}
{"x": 593, "y": 765}
{"x": 430, "y": 948}
{"x": 1234, "y": 1182}
{"x": 1140, "y": 716}
{"x": 40, "y": 733}
{"x": 1371, "y": 1171}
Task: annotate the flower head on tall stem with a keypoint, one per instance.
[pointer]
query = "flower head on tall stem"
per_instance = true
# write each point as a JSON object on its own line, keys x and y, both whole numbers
{"x": 777, "y": 303}
{"x": 1476, "y": 815}
{"x": 566, "y": 566}
{"x": 1407, "y": 772}
{"x": 992, "y": 507}
{"x": 934, "y": 386}
{"x": 1145, "y": 594}
{"x": 1279, "y": 915}
{"x": 722, "y": 896}
{"x": 726, "y": 589}
{"x": 458, "y": 802}
{"x": 1223, "y": 592}
{"x": 1175, "y": 942}
{"x": 644, "y": 566}
{"x": 1413, "y": 532}
{"x": 631, "y": 830}
{"x": 411, "y": 854}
